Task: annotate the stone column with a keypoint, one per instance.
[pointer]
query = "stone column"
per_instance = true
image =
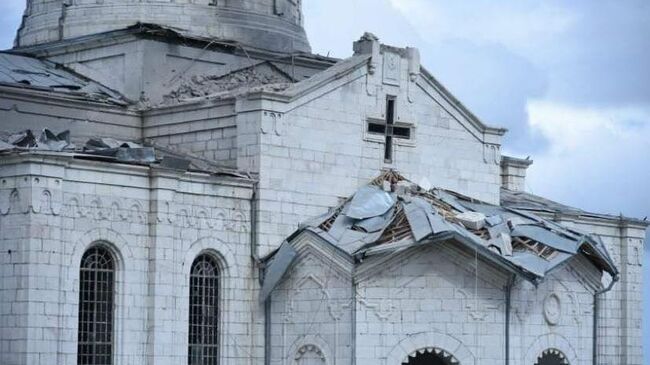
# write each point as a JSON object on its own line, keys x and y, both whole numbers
{"x": 165, "y": 347}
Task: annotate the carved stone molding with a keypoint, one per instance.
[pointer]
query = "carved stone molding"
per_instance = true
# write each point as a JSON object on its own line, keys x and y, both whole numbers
{"x": 392, "y": 68}
{"x": 273, "y": 123}
{"x": 552, "y": 309}
{"x": 491, "y": 154}
{"x": 473, "y": 307}
{"x": 38, "y": 195}
{"x": 98, "y": 208}
{"x": 309, "y": 353}
{"x": 132, "y": 210}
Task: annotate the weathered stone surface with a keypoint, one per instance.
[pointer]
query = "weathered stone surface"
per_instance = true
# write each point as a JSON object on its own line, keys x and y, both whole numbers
{"x": 274, "y": 25}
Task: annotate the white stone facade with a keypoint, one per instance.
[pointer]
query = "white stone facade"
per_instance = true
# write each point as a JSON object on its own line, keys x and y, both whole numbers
{"x": 304, "y": 146}
{"x": 155, "y": 223}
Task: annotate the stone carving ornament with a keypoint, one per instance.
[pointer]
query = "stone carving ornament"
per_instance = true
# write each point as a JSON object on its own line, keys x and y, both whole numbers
{"x": 552, "y": 309}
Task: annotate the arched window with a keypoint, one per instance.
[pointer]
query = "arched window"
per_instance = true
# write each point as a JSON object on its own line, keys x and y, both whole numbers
{"x": 96, "y": 305}
{"x": 204, "y": 312}
{"x": 552, "y": 357}
{"x": 430, "y": 356}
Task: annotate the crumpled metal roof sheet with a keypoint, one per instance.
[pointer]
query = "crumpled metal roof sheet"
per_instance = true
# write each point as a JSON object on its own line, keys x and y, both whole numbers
{"x": 392, "y": 214}
{"x": 110, "y": 150}
{"x": 27, "y": 72}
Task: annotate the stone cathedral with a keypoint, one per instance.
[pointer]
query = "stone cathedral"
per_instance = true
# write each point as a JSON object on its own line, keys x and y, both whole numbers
{"x": 183, "y": 182}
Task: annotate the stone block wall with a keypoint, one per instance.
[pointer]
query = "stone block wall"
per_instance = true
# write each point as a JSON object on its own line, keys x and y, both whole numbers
{"x": 312, "y": 309}
{"x": 155, "y": 223}
{"x": 621, "y": 309}
{"x": 430, "y": 298}
{"x": 208, "y": 131}
{"x": 315, "y": 149}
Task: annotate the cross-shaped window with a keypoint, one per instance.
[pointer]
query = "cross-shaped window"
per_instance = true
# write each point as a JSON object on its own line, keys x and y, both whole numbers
{"x": 389, "y": 129}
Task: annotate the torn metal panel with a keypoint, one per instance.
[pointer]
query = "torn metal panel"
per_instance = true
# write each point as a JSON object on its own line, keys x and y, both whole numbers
{"x": 503, "y": 242}
{"x": 4, "y": 146}
{"x": 530, "y": 262}
{"x": 54, "y": 142}
{"x": 449, "y": 199}
{"x": 494, "y": 231}
{"x": 341, "y": 224}
{"x": 545, "y": 237}
{"x": 27, "y": 72}
{"x": 175, "y": 163}
{"x": 488, "y": 210}
{"x": 369, "y": 202}
{"x": 439, "y": 224}
{"x": 23, "y": 139}
{"x": 417, "y": 218}
{"x": 494, "y": 220}
{"x": 275, "y": 271}
{"x": 351, "y": 241}
{"x": 375, "y": 224}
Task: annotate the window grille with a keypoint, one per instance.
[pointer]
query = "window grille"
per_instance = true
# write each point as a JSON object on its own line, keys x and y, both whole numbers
{"x": 204, "y": 312}
{"x": 96, "y": 299}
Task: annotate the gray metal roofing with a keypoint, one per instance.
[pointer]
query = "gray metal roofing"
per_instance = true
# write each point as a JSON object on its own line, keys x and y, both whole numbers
{"x": 27, "y": 72}
{"x": 527, "y": 201}
{"x": 392, "y": 214}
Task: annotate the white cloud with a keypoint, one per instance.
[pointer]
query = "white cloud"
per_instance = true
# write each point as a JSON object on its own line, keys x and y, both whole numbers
{"x": 518, "y": 25}
{"x": 597, "y": 157}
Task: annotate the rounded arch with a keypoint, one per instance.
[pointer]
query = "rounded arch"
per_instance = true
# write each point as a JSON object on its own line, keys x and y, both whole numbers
{"x": 550, "y": 341}
{"x": 552, "y": 357}
{"x": 432, "y": 340}
{"x": 227, "y": 265}
{"x": 312, "y": 343}
{"x": 214, "y": 247}
{"x": 108, "y": 238}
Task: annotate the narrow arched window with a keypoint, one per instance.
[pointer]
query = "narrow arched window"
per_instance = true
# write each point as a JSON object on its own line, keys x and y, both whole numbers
{"x": 204, "y": 312}
{"x": 96, "y": 305}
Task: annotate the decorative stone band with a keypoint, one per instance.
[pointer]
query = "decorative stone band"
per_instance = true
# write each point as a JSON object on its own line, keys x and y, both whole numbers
{"x": 26, "y": 200}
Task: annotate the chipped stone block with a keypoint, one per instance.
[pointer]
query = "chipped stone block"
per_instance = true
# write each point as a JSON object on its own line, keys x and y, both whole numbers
{"x": 472, "y": 220}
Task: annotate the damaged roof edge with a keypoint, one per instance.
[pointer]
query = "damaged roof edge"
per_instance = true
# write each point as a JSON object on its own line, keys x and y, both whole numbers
{"x": 168, "y": 33}
{"x": 522, "y": 202}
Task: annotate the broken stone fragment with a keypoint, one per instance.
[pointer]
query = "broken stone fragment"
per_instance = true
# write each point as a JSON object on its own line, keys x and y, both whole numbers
{"x": 472, "y": 220}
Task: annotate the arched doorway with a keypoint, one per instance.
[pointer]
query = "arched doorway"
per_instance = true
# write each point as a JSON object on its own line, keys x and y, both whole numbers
{"x": 430, "y": 356}
{"x": 552, "y": 357}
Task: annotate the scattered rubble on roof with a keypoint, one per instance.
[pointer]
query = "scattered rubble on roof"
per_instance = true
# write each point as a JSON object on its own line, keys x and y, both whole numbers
{"x": 392, "y": 214}
{"x": 262, "y": 73}
{"x": 110, "y": 150}
{"x": 28, "y": 72}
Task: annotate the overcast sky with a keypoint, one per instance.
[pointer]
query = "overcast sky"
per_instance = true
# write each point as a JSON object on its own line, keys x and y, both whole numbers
{"x": 569, "y": 79}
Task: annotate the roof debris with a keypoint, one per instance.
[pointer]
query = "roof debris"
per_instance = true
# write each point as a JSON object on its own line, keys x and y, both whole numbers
{"x": 392, "y": 214}
{"x": 259, "y": 74}
{"x": 28, "y": 72}
{"x": 110, "y": 150}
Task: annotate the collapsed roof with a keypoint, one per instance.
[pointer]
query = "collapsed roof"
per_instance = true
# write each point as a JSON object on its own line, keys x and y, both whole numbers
{"x": 32, "y": 73}
{"x": 108, "y": 149}
{"x": 392, "y": 214}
